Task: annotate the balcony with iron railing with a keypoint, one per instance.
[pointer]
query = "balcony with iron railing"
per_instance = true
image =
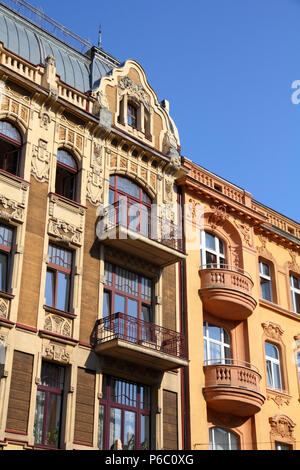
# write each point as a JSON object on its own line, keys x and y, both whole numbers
{"x": 226, "y": 291}
{"x": 232, "y": 386}
{"x": 136, "y": 229}
{"x": 128, "y": 338}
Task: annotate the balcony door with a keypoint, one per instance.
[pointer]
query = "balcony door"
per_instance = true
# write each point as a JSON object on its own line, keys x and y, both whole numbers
{"x": 127, "y": 303}
{"x": 212, "y": 251}
{"x": 132, "y": 204}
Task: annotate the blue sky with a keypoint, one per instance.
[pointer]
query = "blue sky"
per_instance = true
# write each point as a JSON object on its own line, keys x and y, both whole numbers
{"x": 227, "y": 67}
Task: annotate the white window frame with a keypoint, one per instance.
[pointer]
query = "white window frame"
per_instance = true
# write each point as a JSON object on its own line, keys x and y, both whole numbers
{"x": 207, "y": 341}
{"x": 294, "y": 291}
{"x": 266, "y": 277}
{"x": 217, "y": 252}
{"x": 273, "y": 362}
{"x": 212, "y": 441}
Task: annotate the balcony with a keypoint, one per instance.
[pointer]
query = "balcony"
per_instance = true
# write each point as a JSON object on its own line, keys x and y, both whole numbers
{"x": 233, "y": 387}
{"x": 135, "y": 229}
{"x": 226, "y": 292}
{"x": 128, "y": 338}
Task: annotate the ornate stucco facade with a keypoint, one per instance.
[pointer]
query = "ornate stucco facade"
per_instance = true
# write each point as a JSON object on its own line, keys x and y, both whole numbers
{"x": 242, "y": 318}
{"x": 145, "y": 303}
{"x": 70, "y": 111}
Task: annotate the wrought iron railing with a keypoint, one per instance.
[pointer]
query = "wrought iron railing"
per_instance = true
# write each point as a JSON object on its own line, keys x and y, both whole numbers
{"x": 139, "y": 332}
{"x": 140, "y": 219}
{"x": 37, "y": 16}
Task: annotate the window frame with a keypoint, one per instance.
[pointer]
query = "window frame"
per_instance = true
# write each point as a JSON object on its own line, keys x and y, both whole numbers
{"x": 107, "y": 402}
{"x": 112, "y": 289}
{"x": 268, "y": 278}
{"x": 274, "y": 362}
{"x": 204, "y": 250}
{"x": 132, "y": 117}
{"x": 7, "y": 251}
{"x": 18, "y": 144}
{"x": 49, "y": 391}
{"x": 294, "y": 291}
{"x": 56, "y": 269}
{"x": 230, "y": 434}
{"x": 71, "y": 172}
{"x": 207, "y": 341}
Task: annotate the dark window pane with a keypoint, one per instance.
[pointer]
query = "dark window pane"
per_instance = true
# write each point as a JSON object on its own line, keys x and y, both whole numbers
{"x": 266, "y": 289}
{"x": 66, "y": 159}
{"x": 3, "y": 271}
{"x": 297, "y": 302}
{"x": 53, "y": 420}
{"x": 210, "y": 241}
{"x": 65, "y": 183}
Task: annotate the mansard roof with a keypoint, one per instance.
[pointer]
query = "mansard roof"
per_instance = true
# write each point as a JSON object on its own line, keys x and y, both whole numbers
{"x": 33, "y": 43}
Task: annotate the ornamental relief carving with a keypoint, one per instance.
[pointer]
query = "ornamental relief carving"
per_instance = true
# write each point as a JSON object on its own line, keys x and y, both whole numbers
{"x": 4, "y": 308}
{"x": 279, "y": 398}
{"x": 67, "y": 233}
{"x": 245, "y": 230}
{"x": 293, "y": 265}
{"x": 58, "y": 325}
{"x": 218, "y": 217}
{"x": 71, "y": 137}
{"x": 262, "y": 250}
{"x": 94, "y": 177}
{"x": 40, "y": 162}
{"x": 283, "y": 426}
{"x": 13, "y": 107}
{"x": 134, "y": 90}
{"x": 273, "y": 330}
{"x": 56, "y": 352}
{"x": 11, "y": 210}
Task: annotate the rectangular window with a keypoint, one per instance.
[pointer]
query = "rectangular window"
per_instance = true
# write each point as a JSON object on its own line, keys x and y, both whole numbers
{"x": 6, "y": 241}
{"x": 273, "y": 366}
{"x": 265, "y": 281}
{"x": 124, "y": 415}
{"x": 282, "y": 446}
{"x": 58, "y": 278}
{"x": 47, "y": 425}
{"x": 132, "y": 115}
{"x": 295, "y": 292}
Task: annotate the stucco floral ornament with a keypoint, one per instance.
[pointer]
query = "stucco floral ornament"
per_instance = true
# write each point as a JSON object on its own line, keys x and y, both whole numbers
{"x": 283, "y": 426}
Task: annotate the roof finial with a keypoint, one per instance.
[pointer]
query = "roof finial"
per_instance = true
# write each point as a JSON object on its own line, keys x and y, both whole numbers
{"x": 100, "y": 36}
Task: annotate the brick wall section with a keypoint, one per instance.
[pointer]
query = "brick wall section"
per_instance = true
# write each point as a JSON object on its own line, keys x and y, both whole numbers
{"x": 33, "y": 254}
{"x": 85, "y": 404}
{"x": 170, "y": 420}
{"x": 91, "y": 277}
{"x": 169, "y": 297}
{"x": 20, "y": 393}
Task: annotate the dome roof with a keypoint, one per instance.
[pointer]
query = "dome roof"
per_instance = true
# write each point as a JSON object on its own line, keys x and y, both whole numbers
{"x": 29, "y": 41}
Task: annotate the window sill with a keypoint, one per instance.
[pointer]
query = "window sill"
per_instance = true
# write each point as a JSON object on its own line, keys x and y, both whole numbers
{"x": 14, "y": 177}
{"x": 278, "y": 309}
{"x": 280, "y": 397}
{"x": 66, "y": 200}
{"x": 6, "y": 295}
{"x": 61, "y": 313}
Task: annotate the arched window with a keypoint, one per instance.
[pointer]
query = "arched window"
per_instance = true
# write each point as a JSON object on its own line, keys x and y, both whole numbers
{"x": 273, "y": 366}
{"x": 216, "y": 344}
{"x": 132, "y": 204}
{"x": 66, "y": 175}
{"x": 221, "y": 439}
{"x": 212, "y": 251}
{"x": 10, "y": 147}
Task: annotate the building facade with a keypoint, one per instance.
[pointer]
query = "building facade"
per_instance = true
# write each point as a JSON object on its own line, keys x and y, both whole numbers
{"x": 242, "y": 305}
{"x": 91, "y": 348}
{"x": 145, "y": 303}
